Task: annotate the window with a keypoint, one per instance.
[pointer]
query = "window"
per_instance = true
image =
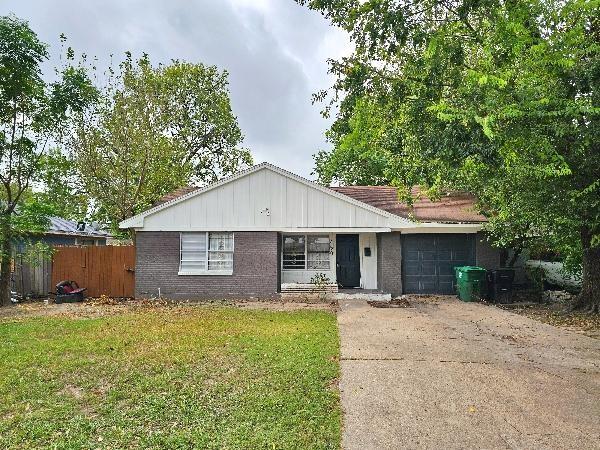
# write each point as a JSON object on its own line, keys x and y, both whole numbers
{"x": 317, "y": 252}
{"x": 203, "y": 253}
{"x": 85, "y": 242}
{"x": 220, "y": 251}
{"x": 310, "y": 252}
{"x": 294, "y": 255}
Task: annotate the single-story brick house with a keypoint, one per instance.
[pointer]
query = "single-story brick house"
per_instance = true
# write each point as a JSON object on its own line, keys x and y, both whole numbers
{"x": 265, "y": 229}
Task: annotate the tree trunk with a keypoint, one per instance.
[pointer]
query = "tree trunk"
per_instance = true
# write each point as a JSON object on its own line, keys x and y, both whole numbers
{"x": 6, "y": 249}
{"x": 516, "y": 253}
{"x": 589, "y": 297}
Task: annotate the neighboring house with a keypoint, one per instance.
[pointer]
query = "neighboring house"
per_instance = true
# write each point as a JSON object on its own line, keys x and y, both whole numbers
{"x": 68, "y": 232}
{"x": 266, "y": 230}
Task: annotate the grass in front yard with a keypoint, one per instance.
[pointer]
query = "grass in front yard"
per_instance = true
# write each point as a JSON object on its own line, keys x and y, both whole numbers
{"x": 171, "y": 377}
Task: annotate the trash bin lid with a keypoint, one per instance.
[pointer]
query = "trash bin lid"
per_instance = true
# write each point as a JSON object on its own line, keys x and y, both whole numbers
{"x": 471, "y": 269}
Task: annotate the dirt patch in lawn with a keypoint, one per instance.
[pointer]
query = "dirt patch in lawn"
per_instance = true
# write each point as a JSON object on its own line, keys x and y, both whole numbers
{"x": 395, "y": 303}
{"x": 106, "y": 306}
{"x": 558, "y": 315}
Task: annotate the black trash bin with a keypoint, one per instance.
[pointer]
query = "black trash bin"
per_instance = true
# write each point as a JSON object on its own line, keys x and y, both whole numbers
{"x": 500, "y": 283}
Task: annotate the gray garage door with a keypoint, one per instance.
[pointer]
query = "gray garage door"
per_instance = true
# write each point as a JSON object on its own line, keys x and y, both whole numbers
{"x": 428, "y": 261}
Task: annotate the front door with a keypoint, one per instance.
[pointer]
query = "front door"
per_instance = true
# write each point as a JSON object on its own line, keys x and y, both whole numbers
{"x": 347, "y": 260}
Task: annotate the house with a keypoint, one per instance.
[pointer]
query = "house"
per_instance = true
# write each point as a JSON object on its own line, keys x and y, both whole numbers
{"x": 265, "y": 230}
{"x": 67, "y": 232}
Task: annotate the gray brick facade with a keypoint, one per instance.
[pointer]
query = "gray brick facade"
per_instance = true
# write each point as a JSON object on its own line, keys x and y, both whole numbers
{"x": 486, "y": 256}
{"x": 389, "y": 263}
{"x": 255, "y": 268}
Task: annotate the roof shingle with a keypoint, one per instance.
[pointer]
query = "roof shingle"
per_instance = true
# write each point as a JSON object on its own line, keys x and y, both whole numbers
{"x": 457, "y": 207}
{"x": 174, "y": 194}
{"x": 58, "y": 225}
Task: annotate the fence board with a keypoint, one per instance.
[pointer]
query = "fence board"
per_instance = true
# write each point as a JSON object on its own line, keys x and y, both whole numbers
{"x": 31, "y": 276}
{"x": 103, "y": 270}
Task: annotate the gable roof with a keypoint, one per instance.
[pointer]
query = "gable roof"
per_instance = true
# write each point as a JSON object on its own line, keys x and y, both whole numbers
{"x": 186, "y": 193}
{"x": 457, "y": 207}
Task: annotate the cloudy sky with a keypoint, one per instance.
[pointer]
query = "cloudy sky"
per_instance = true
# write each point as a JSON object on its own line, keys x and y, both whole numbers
{"x": 274, "y": 50}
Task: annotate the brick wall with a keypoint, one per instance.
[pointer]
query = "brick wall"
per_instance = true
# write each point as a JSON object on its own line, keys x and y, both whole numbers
{"x": 389, "y": 263}
{"x": 255, "y": 268}
{"x": 486, "y": 256}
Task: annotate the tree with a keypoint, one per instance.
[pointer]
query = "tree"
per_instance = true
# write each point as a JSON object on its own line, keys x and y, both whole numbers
{"x": 59, "y": 186}
{"x": 31, "y": 113}
{"x": 155, "y": 129}
{"x": 496, "y": 97}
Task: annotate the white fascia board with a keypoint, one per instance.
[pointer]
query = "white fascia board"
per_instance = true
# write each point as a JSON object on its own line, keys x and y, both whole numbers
{"x": 132, "y": 222}
{"x": 434, "y": 227}
{"x": 137, "y": 221}
{"x": 304, "y": 230}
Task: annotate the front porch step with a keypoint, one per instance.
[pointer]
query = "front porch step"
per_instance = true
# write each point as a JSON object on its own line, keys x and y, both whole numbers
{"x": 308, "y": 288}
{"x": 371, "y": 296}
{"x": 328, "y": 292}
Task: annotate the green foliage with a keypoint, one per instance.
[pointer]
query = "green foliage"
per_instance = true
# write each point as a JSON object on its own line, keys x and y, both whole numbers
{"x": 171, "y": 377}
{"x": 32, "y": 217}
{"x": 33, "y": 253}
{"x": 320, "y": 279}
{"x": 155, "y": 129}
{"x": 497, "y": 98}
{"x": 61, "y": 186}
{"x": 32, "y": 115}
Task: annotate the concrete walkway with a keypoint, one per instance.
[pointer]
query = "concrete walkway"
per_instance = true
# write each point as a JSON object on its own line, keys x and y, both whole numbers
{"x": 446, "y": 374}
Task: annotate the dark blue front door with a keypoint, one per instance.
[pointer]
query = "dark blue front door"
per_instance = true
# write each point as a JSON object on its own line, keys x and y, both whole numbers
{"x": 347, "y": 260}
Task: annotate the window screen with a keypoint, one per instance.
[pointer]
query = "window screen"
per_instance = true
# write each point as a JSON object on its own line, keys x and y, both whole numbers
{"x": 318, "y": 252}
{"x": 206, "y": 251}
{"x": 294, "y": 252}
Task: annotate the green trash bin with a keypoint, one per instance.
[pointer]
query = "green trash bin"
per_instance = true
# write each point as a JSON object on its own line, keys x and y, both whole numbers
{"x": 471, "y": 283}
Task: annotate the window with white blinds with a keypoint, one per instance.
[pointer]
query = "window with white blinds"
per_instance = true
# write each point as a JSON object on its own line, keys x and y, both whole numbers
{"x": 205, "y": 253}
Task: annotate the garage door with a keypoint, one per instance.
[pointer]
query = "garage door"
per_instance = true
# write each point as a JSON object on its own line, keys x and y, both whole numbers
{"x": 428, "y": 261}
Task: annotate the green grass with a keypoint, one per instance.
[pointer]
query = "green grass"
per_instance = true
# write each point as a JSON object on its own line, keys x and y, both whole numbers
{"x": 196, "y": 377}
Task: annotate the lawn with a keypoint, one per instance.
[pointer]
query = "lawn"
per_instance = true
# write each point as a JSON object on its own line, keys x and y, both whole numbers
{"x": 171, "y": 377}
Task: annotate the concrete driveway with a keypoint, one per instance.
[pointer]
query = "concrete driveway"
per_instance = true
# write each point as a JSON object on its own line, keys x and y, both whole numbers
{"x": 447, "y": 374}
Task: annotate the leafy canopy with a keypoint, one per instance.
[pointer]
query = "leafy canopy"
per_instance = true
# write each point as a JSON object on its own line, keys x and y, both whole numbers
{"x": 32, "y": 115}
{"x": 500, "y": 98}
{"x": 155, "y": 129}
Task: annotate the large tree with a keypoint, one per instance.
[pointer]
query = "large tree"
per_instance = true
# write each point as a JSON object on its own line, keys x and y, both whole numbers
{"x": 32, "y": 113}
{"x": 500, "y": 97}
{"x": 59, "y": 186}
{"x": 156, "y": 128}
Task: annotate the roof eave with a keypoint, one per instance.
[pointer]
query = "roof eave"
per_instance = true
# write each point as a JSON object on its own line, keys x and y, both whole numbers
{"x": 440, "y": 227}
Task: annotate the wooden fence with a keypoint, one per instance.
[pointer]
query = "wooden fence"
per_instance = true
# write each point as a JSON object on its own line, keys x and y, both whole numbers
{"x": 103, "y": 270}
{"x": 31, "y": 277}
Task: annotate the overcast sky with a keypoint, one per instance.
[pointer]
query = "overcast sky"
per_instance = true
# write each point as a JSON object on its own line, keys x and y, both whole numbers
{"x": 274, "y": 50}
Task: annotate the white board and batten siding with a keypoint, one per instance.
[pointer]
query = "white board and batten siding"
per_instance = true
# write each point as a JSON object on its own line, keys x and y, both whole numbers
{"x": 265, "y": 200}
